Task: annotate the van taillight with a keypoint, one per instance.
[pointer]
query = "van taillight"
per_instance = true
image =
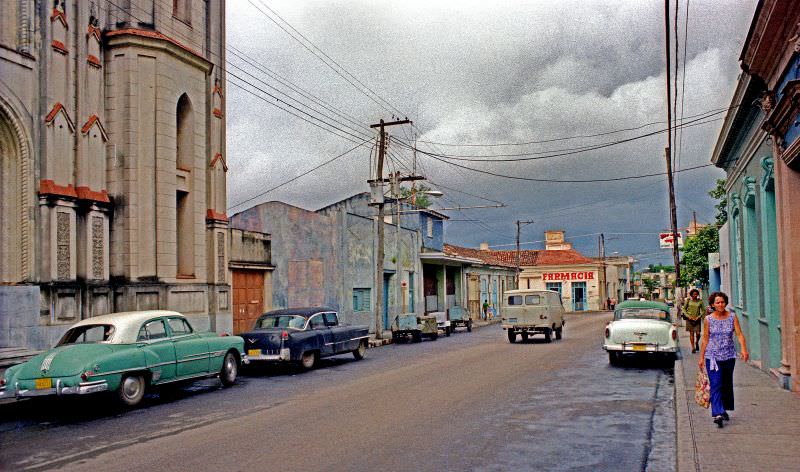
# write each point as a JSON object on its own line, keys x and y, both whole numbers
{"x": 284, "y": 335}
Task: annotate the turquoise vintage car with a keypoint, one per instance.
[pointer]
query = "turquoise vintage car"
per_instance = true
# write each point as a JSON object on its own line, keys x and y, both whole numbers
{"x": 126, "y": 353}
{"x": 643, "y": 328}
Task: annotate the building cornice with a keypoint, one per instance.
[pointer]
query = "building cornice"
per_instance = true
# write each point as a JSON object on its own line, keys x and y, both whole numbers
{"x": 157, "y": 41}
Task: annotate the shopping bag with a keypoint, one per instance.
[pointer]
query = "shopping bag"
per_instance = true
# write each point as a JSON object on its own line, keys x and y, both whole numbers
{"x": 702, "y": 389}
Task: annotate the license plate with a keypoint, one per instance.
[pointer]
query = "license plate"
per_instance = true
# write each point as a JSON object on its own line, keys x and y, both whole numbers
{"x": 639, "y": 347}
{"x": 254, "y": 352}
{"x": 44, "y": 383}
{"x": 512, "y": 320}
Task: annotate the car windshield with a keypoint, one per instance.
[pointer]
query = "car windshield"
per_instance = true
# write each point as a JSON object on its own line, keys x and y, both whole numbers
{"x": 88, "y": 334}
{"x": 281, "y": 321}
{"x": 641, "y": 314}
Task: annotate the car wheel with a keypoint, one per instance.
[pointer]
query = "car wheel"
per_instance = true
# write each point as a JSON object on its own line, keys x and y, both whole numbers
{"x": 548, "y": 335}
{"x": 512, "y": 336}
{"x": 362, "y": 349}
{"x": 309, "y": 360}
{"x": 469, "y": 326}
{"x": 131, "y": 389}
{"x": 230, "y": 369}
{"x": 416, "y": 337}
{"x": 434, "y": 336}
{"x": 559, "y": 332}
{"x": 613, "y": 358}
{"x": 448, "y": 330}
{"x": 524, "y": 337}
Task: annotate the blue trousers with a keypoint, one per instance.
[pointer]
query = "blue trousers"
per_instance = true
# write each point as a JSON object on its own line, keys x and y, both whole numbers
{"x": 721, "y": 383}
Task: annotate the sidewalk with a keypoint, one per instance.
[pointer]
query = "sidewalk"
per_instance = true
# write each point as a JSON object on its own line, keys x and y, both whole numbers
{"x": 763, "y": 431}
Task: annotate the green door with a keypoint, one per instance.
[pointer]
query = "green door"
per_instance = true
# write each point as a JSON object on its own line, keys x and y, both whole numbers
{"x": 191, "y": 350}
{"x": 159, "y": 351}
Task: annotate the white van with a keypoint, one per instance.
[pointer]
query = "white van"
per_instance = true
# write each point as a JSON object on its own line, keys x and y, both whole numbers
{"x": 529, "y": 312}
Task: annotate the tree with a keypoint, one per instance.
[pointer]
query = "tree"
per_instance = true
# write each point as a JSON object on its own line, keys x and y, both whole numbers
{"x": 695, "y": 255}
{"x": 650, "y": 285}
{"x": 718, "y": 193}
{"x": 422, "y": 200}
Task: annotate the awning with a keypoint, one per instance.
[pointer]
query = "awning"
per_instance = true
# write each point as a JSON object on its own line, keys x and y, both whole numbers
{"x": 442, "y": 258}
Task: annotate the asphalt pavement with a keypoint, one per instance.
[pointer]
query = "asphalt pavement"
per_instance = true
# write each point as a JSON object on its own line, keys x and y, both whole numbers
{"x": 471, "y": 401}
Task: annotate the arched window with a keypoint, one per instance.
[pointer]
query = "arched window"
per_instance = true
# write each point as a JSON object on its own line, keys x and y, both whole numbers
{"x": 184, "y": 117}
{"x": 184, "y": 209}
{"x": 9, "y": 202}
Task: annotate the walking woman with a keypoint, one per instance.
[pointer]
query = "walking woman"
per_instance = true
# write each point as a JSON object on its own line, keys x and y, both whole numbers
{"x": 718, "y": 356}
{"x": 693, "y": 312}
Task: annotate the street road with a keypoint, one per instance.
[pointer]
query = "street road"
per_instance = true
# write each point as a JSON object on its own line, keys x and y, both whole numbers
{"x": 472, "y": 401}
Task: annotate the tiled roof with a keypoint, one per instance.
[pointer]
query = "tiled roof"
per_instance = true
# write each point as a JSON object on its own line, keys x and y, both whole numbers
{"x": 527, "y": 257}
{"x": 486, "y": 256}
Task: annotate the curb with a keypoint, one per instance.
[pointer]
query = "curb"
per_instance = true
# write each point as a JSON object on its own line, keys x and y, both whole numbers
{"x": 686, "y": 447}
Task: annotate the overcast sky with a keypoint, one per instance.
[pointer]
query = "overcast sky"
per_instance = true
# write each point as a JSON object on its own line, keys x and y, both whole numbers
{"x": 477, "y": 72}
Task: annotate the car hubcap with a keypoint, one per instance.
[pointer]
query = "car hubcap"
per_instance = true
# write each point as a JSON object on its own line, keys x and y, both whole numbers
{"x": 131, "y": 387}
{"x": 230, "y": 367}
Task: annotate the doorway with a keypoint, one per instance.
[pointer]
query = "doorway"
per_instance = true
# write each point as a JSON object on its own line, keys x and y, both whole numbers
{"x": 579, "y": 296}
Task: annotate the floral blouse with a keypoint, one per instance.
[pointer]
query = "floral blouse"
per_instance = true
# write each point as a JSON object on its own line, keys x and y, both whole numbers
{"x": 720, "y": 340}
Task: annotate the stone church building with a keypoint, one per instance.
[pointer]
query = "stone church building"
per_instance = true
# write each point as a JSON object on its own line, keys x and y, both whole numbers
{"x": 112, "y": 163}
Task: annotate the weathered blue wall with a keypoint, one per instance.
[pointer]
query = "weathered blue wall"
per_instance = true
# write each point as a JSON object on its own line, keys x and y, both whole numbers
{"x": 338, "y": 246}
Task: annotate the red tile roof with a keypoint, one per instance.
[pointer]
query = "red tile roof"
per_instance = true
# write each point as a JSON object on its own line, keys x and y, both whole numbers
{"x": 527, "y": 257}
{"x": 486, "y": 256}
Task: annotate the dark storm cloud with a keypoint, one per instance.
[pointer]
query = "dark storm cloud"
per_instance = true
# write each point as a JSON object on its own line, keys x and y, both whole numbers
{"x": 473, "y": 72}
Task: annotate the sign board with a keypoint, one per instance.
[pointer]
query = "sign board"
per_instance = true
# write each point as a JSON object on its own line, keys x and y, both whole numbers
{"x": 567, "y": 276}
{"x": 665, "y": 240}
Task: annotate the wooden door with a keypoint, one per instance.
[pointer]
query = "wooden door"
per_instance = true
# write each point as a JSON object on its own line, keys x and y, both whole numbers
{"x": 248, "y": 298}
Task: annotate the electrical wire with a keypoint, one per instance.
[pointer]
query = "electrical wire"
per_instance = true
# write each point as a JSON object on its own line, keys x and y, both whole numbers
{"x": 312, "y": 51}
{"x": 309, "y": 171}
{"x": 566, "y": 138}
{"x": 557, "y": 153}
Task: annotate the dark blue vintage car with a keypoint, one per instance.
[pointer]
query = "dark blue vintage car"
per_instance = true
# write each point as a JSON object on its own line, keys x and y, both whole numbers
{"x": 303, "y": 336}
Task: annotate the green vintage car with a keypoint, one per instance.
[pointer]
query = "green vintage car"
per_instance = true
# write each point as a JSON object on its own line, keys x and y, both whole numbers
{"x": 126, "y": 353}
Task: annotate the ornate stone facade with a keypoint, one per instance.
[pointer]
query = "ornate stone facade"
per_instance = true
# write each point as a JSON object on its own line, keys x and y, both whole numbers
{"x": 112, "y": 131}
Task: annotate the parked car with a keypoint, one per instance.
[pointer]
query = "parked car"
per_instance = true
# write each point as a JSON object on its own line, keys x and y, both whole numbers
{"x": 303, "y": 336}
{"x": 643, "y": 328}
{"x": 528, "y": 312}
{"x": 126, "y": 353}
{"x": 442, "y": 322}
{"x": 409, "y": 324}
{"x": 459, "y": 317}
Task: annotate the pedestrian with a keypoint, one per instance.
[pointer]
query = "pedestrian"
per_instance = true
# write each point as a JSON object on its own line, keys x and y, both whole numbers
{"x": 693, "y": 312}
{"x": 613, "y": 302}
{"x": 485, "y": 310}
{"x": 718, "y": 356}
{"x": 608, "y": 303}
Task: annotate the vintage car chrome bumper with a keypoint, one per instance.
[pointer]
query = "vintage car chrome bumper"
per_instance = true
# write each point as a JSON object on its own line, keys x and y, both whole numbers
{"x": 82, "y": 388}
{"x": 639, "y": 347}
{"x": 283, "y": 355}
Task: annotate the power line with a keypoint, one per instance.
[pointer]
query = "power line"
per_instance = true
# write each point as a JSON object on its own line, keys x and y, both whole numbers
{"x": 312, "y": 51}
{"x": 300, "y": 175}
{"x": 566, "y": 138}
{"x": 529, "y": 179}
{"x": 555, "y": 153}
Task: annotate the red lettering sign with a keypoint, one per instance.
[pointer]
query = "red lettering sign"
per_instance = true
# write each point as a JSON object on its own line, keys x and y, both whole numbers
{"x": 591, "y": 275}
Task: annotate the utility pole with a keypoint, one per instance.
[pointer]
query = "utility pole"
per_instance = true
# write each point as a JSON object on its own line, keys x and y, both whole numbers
{"x": 519, "y": 223}
{"x": 668, "y": 153}
{"x": 377, "y": 194}
{"x": 601, "y": 251}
